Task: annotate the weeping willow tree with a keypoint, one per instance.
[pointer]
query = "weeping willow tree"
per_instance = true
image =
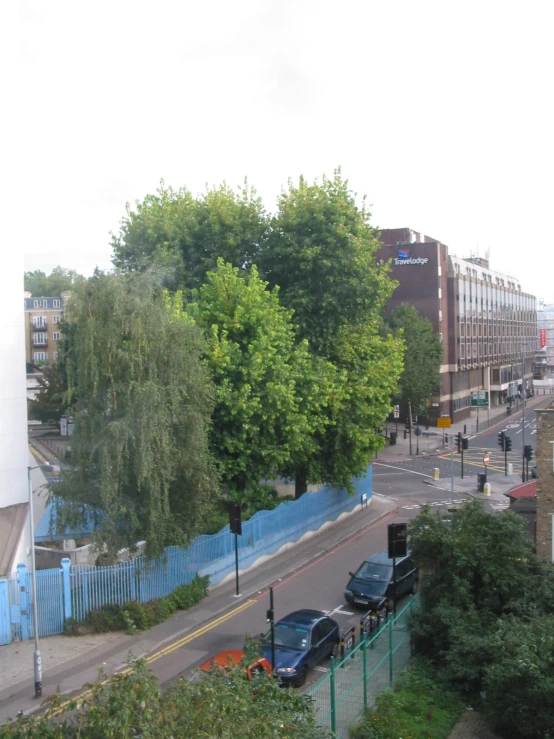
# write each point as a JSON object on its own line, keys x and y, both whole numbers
{"x": 141, "y": 400}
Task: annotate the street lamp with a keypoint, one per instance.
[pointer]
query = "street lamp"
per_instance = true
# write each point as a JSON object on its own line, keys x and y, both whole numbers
{"x": 36, "y": 658}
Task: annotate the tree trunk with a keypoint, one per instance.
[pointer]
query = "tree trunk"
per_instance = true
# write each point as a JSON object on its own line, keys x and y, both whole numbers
{"x": 300, "y": 484}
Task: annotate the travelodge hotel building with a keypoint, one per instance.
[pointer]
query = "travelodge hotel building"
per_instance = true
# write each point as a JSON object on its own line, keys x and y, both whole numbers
{"x": 485, "y": 321}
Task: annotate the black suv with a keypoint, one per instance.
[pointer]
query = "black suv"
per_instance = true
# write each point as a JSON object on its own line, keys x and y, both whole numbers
{"x": 372, "y": 583}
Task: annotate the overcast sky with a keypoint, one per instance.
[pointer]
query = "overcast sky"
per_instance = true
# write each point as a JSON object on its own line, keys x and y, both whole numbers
{"x": 441, "y": 112}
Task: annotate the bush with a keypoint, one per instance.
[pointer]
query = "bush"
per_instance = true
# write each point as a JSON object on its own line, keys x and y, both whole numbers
{"x": 419, "y": 707}
{"x": 133, "y": 616}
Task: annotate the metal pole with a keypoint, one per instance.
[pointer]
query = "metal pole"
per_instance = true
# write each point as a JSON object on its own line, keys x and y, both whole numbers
{"x": 451, "y": 470}
{"x": 333, "y": 697}
{"x": 410, "y": 430}
{"x": 394, "y": 582}
{"x": 37, "y": 661}
{"x": 462, "y": 451}
{"x": 237, "y": 563}
{"x": 272, "y": 629}
{"x": 523, "y": 411}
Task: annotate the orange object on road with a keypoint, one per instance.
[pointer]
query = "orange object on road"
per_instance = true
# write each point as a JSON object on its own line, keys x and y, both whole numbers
{"x": 233, "y": 657}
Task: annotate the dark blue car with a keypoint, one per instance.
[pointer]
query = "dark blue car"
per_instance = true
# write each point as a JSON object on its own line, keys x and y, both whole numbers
{"x": 302, "y": 640}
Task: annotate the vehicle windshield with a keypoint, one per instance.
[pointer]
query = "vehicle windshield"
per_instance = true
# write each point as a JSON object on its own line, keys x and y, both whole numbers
{"x": 373, "y": 572}
{"x": 290, "y": 636}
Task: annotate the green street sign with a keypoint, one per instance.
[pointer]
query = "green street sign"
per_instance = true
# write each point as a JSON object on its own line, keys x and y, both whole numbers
{"x": 480, "y": 399}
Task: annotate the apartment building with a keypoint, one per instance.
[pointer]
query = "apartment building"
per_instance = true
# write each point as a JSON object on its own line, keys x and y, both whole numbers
{"x": 43, "y": 318}
{"x": 544, "y": 361}
{"x": 487, "y": 324}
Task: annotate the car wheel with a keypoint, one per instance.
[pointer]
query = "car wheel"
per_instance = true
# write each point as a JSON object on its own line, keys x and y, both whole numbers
{"x": 301, "y": 678}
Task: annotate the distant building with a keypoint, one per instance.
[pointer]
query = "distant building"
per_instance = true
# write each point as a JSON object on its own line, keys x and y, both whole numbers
{"x": 484, "y": 320}
{"x": 43, "y": 318}
{"x": 544, "y": 360}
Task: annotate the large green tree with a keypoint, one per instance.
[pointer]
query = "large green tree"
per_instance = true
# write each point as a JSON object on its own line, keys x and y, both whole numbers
{"x": 420, "y": 379}
{"x": 321, "y": 252}
{"x": 141, "y": 398}
{"x": 58, "y": 281}
{"x": 269, "y": 393}
{"x": 187, "y": 234}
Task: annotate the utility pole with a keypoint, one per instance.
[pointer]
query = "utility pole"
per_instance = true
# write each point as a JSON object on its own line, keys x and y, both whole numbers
{"x": 523, "y": 410}
{"x": 410, "y": 422}
{"x": 451, "y": 469}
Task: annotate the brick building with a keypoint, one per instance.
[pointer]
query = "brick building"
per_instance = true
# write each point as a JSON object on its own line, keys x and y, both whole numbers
{"x": 43, "y": 317}
{"x": 545, "y": 482}
{"x": 485, "y": 321}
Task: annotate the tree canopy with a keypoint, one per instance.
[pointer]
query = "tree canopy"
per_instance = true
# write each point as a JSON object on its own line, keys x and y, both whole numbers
{"x": 268, "y": 394}
{"x": 58, "y": 281}
{"x": 422, "y": 358}
{"x": 141, "y": 399}
{"x": 187, "y": 234}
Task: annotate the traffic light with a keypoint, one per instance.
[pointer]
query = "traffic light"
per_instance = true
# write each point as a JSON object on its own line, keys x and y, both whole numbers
{"x": 459, "y": 441}
{"x": 501, "y": 437}
{"x": 528, "y": 452}
{"x": 235, "y": 522}
{"x": 507, "y": 444}
{"x": 465, "y": 443}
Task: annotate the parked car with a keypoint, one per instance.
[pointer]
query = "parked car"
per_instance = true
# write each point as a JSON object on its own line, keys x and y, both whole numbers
{"x": 303, "y": 639}
{"x": 228, "y": 659}
{"x": 372, "y": 583}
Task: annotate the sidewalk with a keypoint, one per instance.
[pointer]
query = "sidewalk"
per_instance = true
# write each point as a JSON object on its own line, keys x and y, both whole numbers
{"x": 69, "y": 662}
{"x": 431, "y": 440}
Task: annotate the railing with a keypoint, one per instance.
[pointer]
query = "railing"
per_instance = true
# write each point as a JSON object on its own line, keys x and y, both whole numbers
{"x": 355, "y": 681}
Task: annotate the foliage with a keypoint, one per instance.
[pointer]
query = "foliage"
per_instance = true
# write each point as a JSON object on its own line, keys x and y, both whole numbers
{"x": 60, "y": 280}
{"x": 419, "y": 707}
{"x": 422, "y": 359}
{"x": 321, "y": 252}
{"x": 49, "y": 403}
{"x": 132, "y": 704}
{"x": 187, "y": 234}
{"x": 519, "y": 682}
{"x": 133, "y": 616}
{"x": 141, "y": 399}
{"x": 260, "y": 418}
{"x": 486, "y": 618}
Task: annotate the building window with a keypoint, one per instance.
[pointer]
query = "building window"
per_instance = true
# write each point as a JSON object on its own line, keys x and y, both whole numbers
{"x": 39, "y": 321}
{"x": 55, "y": 319}
{"x": 40, "y": 356}
{"x": 57, "y": 303}
{"x": 39, "y": 339}
{"x": 460, "y": 403}
{"x": 56, "y": 335}
{"x": 35, "y": 303}
{"x": 45, "y": 304}
{"x": 55, "y": 356}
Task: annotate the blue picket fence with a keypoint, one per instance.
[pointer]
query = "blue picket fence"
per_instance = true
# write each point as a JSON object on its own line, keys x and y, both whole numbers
{"x": 75, "y": 590}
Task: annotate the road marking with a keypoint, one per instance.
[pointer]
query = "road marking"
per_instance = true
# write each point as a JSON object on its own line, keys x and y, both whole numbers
{"x": 338, "y": 609}
{"x": 534, "y": 431}
{"x": 393, "y": 467}
{"x": 321, "y": 669}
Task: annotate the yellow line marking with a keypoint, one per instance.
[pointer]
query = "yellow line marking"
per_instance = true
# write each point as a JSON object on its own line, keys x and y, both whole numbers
{"x": 38, "y": 454}
{"x": 166, "y": 650}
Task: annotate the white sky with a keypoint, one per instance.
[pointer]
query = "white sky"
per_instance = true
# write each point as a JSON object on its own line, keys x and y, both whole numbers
{"x": 441, "y": 112}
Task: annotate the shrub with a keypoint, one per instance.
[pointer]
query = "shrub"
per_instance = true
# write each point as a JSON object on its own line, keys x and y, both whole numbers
{"x": 133, "y": 616}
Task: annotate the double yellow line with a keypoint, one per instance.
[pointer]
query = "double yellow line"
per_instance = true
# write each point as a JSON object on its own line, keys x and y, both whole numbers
{"x": 166, "y": 650}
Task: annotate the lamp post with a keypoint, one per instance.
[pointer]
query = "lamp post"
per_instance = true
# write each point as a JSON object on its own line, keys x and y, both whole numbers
{"x": 37, "y": 662}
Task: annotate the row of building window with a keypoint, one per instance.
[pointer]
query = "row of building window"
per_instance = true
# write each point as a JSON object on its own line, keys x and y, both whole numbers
{"x": 42, "y": 322}
{"x": 56, "y": 303}
{"x": 42, "y": 338}
{"x": 486, "y": 277}
{"x": 460, "y": 403}
{"x": 43, "y": 356}
{"x": 477, "y": 350}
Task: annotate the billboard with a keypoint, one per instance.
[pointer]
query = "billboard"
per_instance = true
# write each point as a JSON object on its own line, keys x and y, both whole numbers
{"x": 542, "y": 339}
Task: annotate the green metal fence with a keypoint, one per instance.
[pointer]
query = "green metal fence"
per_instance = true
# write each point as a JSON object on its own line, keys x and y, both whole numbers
{"x": 372, "y": 666}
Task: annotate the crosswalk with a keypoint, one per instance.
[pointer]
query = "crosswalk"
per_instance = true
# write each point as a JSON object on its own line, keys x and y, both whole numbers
{"x": 434, "y": 504}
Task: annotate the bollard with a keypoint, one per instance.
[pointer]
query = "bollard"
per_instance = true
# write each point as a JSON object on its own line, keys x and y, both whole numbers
{"x": 342, "y": 651}
{"x": 487, "y": 488}
{"x": 353, "y": 637}
{"x": 436, "y": 473}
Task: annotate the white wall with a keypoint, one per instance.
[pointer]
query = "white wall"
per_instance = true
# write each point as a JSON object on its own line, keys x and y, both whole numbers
{"x": 13, "y": 392}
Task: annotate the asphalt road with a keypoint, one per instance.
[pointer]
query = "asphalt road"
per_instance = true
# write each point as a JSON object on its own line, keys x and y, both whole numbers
{"x": 320, "y": 584}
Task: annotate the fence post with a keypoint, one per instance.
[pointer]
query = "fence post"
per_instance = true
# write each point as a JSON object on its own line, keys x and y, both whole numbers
{"x": 23, "y": 601}
{"x": 65, "y": 564}
{"x": 364, "y": 657}
{"x": 390, "y": 651}
{"x": 333, "y": 698}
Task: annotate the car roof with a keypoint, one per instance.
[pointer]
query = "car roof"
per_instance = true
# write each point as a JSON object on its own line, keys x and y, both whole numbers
{"x": 305, "y": 617}
{"x": 382, "y": 558}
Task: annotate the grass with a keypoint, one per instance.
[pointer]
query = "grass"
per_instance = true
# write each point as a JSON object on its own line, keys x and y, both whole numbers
{"x": 419, "y": 707}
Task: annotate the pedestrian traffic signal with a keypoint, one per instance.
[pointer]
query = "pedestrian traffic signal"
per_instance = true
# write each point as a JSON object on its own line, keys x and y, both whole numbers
{"x": 501, "y": 437}
{"x": 507, "y": 444}
{"x": 465, "y": 443}
{"x": 528, "y": 452}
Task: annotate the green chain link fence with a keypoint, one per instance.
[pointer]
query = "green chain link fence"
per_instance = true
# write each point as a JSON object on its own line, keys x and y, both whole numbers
{"x": 353, "y": 684}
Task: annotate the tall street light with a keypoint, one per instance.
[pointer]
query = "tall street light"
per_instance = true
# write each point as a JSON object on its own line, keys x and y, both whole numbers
{"x": 36, "y": 657}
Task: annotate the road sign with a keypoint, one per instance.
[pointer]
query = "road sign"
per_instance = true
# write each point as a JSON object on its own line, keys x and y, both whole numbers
{"x": 486, "y": 459}
{"x": 397, "y": 411}
{"x": 444, "y": 423}
{"x": 480, "y": 399}
{"x": 417, "y": 432}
